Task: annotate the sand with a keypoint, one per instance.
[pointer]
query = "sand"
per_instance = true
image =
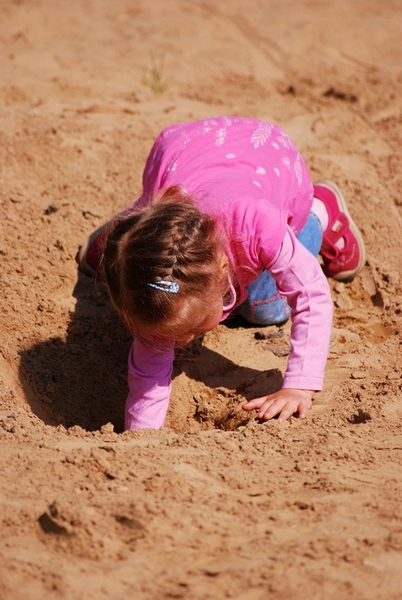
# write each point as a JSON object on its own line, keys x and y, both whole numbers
{"x": 216, "y": 505}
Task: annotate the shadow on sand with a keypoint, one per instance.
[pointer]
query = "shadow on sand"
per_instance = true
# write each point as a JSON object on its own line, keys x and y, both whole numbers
{"x": 82, "y": 380}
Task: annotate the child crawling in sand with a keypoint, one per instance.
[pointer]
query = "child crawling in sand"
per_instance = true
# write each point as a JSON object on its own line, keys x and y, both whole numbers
{"x": 228, "y": 220}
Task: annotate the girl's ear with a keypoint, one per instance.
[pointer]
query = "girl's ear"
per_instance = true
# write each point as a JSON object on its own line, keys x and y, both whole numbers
{"x": 223, "y": 262}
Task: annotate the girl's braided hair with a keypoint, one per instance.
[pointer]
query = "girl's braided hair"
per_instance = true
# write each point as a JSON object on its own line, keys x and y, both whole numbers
{"x": 168, "y": 241}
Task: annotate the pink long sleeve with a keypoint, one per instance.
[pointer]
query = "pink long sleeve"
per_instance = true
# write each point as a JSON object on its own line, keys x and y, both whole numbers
{"x": 149, "y": 380}
{"x": 299, "y": 277}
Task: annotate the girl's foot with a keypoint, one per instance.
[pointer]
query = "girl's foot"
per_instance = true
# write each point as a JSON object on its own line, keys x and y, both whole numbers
{"x": 89, "y": 254}
{"x": 342, "y": 250}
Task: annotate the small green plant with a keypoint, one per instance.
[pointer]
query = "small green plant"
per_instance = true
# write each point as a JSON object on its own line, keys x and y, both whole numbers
{"x": 153, "y": 77}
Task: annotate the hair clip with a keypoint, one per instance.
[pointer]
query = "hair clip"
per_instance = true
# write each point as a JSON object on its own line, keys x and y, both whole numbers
{"x": 165, "y": 286}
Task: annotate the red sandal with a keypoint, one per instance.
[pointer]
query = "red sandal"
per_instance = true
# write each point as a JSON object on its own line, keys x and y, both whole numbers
{"x": 342, "y": 264}
{"x": 89, "y": 254}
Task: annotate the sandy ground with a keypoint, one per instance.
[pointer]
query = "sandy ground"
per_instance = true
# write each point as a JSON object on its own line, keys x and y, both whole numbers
{"x": 216, "y": 505}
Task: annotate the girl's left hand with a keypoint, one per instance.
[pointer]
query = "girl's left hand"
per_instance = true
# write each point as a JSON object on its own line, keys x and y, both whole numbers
{"x": 285, "y": 403}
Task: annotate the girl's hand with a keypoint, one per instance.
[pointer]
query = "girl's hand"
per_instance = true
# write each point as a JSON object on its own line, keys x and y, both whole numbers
{"x": 284, "y": 403}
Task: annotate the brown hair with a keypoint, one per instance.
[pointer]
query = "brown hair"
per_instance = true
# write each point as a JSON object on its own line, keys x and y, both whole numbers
{"x": 169, "y": 240}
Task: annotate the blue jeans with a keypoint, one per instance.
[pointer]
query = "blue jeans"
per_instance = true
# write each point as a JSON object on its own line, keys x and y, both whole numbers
{"x": 264, "y": 305}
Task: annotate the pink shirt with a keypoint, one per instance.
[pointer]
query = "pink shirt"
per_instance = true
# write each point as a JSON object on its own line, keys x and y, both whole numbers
{"x": 248, "y": 175}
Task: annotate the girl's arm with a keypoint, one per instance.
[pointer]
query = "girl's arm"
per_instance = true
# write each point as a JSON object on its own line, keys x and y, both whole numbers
{"x": 300, "y": 279}
{"x": 149, "y": 380}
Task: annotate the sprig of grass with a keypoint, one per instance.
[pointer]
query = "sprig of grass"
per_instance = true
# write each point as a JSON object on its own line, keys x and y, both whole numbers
{"x": 153, "y": 76}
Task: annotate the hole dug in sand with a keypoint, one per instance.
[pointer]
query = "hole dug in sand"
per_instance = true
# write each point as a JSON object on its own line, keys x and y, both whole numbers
{"x": 196, "y": 406}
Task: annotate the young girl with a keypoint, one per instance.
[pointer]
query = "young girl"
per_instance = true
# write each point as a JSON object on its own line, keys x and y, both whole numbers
{"x": 228, "y": 220}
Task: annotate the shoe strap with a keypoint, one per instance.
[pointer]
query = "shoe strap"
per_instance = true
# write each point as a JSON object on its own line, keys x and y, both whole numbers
{"x": 339, "y": 229}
